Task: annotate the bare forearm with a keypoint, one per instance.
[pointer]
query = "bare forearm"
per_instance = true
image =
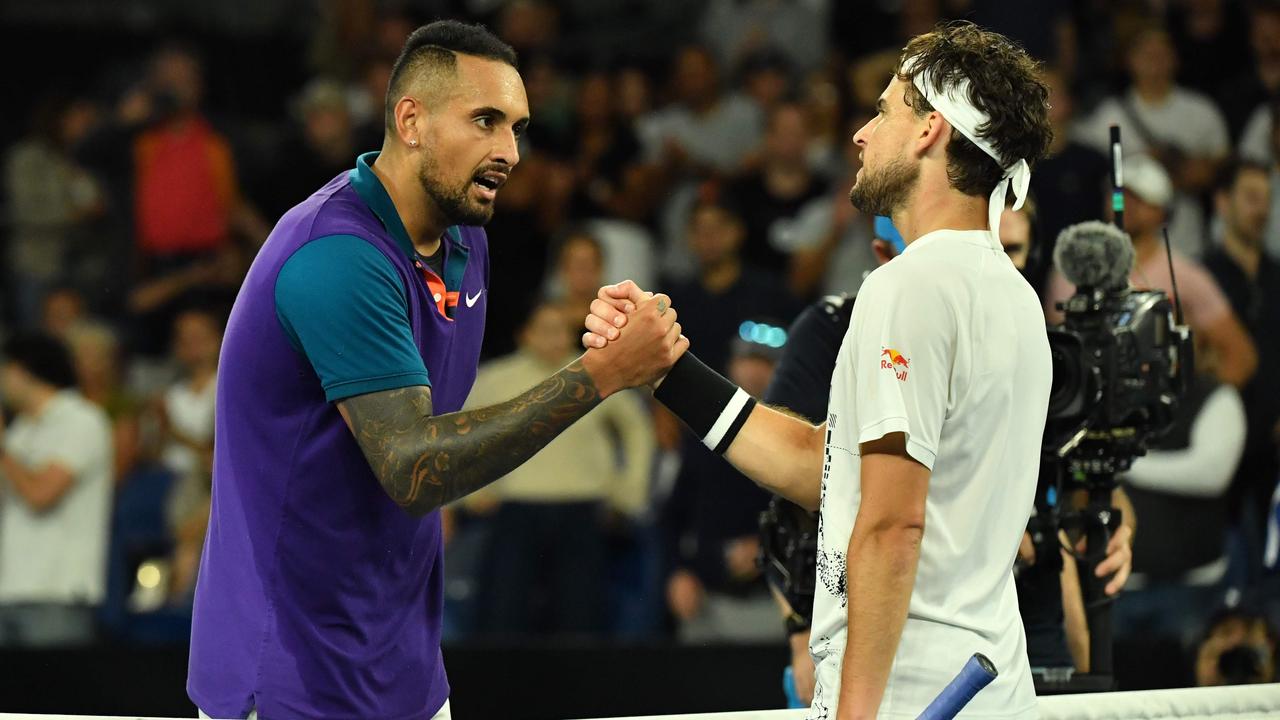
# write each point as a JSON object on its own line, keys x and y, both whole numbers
{"x": 39, "y": 489}
{"x": 882, "y": 572}
{"x": 781, "y": 453}
{"x": 425, "y": 461}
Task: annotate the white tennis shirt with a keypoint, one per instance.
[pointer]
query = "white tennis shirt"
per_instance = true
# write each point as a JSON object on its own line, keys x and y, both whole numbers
{"x": 948, "y": 345}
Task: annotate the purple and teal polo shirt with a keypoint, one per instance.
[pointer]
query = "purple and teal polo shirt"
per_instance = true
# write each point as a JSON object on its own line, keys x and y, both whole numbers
{"x": 318, "y": 597}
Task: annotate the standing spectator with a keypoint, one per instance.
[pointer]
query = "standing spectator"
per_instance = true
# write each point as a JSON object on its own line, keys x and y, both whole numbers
{"x": 1073, "y": 176}
{"x": 316, "y": 149}
{"x": 61, "y": 308}
{"x": 1261, "y": 144}
{"x": 1148, "y": 193}
{"x": 55, "y": 499}
{"x": 95, "y": 350}
{"x": 726, "y": 291}
{"x": 704, "y": 128}
{"x": 1258, "y": 83}
{"x": 1216, "y": 34}
{"x": 50, "y": 200}
{"x": 1251, "y": 281}
{"x": 777, "y": 190}
{"x": 714, "y": 589}
{"x": 186, "y": 413}
{"x": 545, "y": 567}
{"x": 1180, "y": 128}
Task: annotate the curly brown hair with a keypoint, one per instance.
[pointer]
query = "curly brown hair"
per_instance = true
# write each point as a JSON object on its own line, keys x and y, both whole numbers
{"x": 1004, "y": 83}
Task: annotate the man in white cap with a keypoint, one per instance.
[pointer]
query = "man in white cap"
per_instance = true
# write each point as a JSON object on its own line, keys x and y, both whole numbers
{"x": 926, "y": 468}
{"x": 1147, "y": 197}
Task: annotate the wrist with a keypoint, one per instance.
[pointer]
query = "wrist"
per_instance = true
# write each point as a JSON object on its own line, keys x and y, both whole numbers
{"x": 597, "y": 368}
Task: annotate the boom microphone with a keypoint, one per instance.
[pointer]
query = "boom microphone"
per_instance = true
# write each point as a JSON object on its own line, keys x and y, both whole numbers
{"x": 1094, "y": 255}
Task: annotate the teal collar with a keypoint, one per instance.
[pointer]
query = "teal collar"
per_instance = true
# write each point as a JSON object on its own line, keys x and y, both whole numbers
{"x": 370, "y": 190}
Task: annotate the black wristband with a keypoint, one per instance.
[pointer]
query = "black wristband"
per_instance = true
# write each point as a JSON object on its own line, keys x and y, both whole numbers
{"x": 712, "y": 406}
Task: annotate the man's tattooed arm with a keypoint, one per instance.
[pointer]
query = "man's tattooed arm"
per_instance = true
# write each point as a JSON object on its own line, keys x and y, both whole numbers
{"x": 425, "y": 461}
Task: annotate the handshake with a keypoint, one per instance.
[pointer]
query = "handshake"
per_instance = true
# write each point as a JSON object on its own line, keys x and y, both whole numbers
{"x": 632, "y": 338}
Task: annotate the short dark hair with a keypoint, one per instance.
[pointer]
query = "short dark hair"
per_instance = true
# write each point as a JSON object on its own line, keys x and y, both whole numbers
{"x": 43, "y": 356}
{"x": 434, "y": 47}
{"x": 1230, "y": 172}
{"x": 1005, "y": 84}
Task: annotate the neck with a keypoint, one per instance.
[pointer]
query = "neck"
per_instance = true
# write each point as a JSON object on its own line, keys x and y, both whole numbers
{"x": 939, "y": 208}
{"x": 38, "y": 399}
{"x": 421, "y": 217}
{"x": 785, "y": 179}
{"x": 1145, "y": 246}
{"x": 202, "y": 373}
{"x": 1246, "y": 254}
{"x": 1153, "y": 92}
{"x": 717, "y": 278}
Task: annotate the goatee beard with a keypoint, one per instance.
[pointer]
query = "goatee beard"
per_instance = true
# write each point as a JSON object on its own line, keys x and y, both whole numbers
{"x": 886, "y": 191}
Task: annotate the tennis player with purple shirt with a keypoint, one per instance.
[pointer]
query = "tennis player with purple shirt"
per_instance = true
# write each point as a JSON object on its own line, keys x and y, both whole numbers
{"x": 350, "y": 349}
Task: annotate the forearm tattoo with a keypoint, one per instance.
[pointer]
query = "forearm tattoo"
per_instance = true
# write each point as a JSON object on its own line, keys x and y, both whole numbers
{"x": 425, "y": 461}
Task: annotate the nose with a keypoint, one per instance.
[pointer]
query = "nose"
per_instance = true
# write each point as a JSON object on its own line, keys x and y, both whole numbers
{"x": 860, "y": 137}
{"x": 507, "y": 150}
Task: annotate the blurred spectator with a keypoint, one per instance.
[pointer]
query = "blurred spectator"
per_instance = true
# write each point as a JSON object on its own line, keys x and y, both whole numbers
{"x": 1180, "y": 128}
{"x": 1074, "y": 176}
{"x": 830, "y": 239}
{"x": 315, "y": 150}
{"x": 1261, "y": 144}
{"x": 605, "y": 146}
{"x": 579, "y": 272}
{"x": 1258, "y": 83}
{"x": 96, "y": 352}
{"x": 61, "y": 309}
{"x": 1238, "y": 649}
{"x": 1215, "y": 33}
{"x": 1148, "y": 192}
{"x": 1178, "y": 490}
{"x": 703, "y": 128}
{"x": 366, "y": 103}
{"x": 1046, "y": 28}
{"x": 545, "y": 568}
{"x": 777, "y": 190}
{"x": 714, "y": 589}
{"x": 51, "y": 199}
{"x": 530, "y": 27}
{"x": 725, "y": 292}
{"x": 186, "y": 421}
{"x": 55, "y": 461}
{"x": 551, "y": 100}
{"x": 1251, "y": 281}
{"x": 738, "y": 28}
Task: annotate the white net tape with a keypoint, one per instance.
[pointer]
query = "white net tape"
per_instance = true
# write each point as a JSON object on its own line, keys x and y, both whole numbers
{"x": 1251, "y": 702}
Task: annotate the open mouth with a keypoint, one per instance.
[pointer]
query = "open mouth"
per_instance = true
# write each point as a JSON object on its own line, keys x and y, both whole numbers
{"x": 489, "y": 182}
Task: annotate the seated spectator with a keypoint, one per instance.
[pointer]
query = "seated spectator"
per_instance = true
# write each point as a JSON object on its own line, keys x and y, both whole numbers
{"x": 186, "y": 419}
{"x": 725, "y": 291}
{"x": 55, "y": 499}
{"x": 710, "y": 524}
{"x": 1182, "y": 129}
{"x": 544, "y": 571}
{"x": 95, "y": 350}
{"x": 1178, "y": 489}
{"x": 704, "y": 129}
{"x": 1251, "y": 281}
{"x": 777, "y": 189}
{"x": 1148, "y": 192}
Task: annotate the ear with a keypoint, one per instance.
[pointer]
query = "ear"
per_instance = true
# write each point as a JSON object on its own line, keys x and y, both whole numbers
{"x": 410, "y": 120}
{"x": 933, "y": 134}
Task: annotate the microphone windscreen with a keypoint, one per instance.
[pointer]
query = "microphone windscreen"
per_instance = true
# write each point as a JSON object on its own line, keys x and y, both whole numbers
{"x": 1094, "y": 254}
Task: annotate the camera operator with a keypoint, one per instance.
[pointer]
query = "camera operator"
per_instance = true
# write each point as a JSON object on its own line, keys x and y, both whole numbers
{"x": 1238, "y": 649}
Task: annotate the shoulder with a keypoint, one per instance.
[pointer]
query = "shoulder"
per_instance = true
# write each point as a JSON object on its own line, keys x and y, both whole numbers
{"x": 74, "y": 410}
{"x": 1185, "y": 99}
{"x": 339, "y": 255}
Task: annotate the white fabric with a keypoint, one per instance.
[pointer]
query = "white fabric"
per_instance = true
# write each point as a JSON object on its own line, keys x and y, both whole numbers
{"x": 954, "y": 104}
{"x": 444, "y": 714}
{"x": 190, "y": 413}
{"x": 970, "y": 391}
{"x": 725, "y": 421}
{"x": 1255, "y": 141}
{"x": 59, "y": 554}
{"x": 1205, "y": 467}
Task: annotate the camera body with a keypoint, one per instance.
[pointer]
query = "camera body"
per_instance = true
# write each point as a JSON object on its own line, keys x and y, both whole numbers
{"x": 1120, "y": 365}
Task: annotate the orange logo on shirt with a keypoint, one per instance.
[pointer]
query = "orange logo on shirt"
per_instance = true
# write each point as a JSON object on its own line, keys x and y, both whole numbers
{"x": 891, "y": 359}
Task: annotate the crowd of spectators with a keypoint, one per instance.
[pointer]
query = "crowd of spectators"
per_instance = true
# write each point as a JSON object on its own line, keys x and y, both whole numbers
{"x": 699, "y": 148}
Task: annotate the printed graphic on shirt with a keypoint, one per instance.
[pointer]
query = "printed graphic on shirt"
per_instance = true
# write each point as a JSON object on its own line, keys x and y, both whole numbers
{"x": 891, "y": 359}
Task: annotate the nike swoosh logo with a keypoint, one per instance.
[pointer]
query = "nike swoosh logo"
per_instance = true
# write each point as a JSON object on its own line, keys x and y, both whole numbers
{"x": 472, "y": 300}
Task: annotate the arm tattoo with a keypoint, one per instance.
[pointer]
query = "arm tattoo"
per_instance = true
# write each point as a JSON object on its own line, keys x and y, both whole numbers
{"x": 425, "y": 461}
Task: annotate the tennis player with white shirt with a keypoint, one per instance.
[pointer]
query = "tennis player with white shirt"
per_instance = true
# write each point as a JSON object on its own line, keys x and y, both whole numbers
{"x": 926, "y": 468}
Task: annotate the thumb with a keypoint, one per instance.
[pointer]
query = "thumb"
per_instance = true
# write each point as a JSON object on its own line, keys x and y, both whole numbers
{"x": 625, "y": 290}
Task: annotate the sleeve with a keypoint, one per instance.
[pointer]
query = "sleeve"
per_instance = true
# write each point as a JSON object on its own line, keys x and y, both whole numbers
{"x": 802, "y": 381}
{"x": 901, "y": 353}
{"x": 634, "y": 425}
{"x": 344, "y": 308}
{"x": 1205, "y": 468}
{"x": 91, "y": 449}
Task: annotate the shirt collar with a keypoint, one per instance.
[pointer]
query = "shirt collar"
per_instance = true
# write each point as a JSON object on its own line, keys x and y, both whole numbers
{"x": 371, "y": 191}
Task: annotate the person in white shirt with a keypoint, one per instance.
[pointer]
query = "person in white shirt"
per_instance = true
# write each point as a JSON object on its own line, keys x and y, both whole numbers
{"x": 55, "y": 499}
{"x": 926, "y": 469}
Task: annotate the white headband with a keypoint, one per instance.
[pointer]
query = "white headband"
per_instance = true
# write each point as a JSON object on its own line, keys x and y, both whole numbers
{"x": 954, "y": 105}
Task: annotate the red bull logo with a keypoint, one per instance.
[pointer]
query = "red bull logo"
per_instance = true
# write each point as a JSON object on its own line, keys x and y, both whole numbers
{"x": 891, "y": 359}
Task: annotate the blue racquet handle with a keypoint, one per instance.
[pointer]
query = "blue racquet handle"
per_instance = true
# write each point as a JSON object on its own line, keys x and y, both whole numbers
{"x": 975, "y": 675}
